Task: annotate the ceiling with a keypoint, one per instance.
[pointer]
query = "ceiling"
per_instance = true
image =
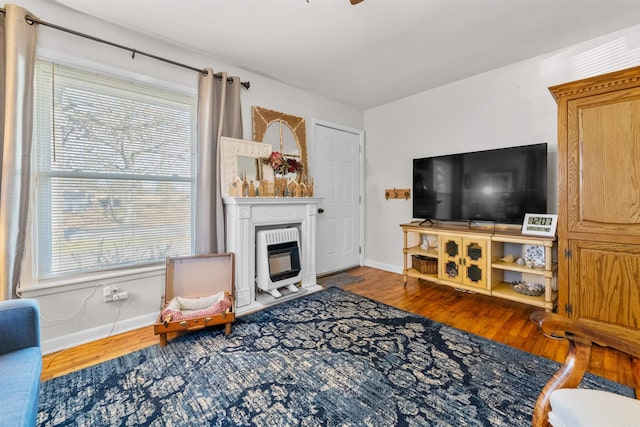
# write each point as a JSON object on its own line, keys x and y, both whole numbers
{"x": 374, "y": 52}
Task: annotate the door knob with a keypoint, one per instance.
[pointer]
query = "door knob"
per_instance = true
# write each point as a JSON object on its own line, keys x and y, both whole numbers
{"x": 320, "y": 210}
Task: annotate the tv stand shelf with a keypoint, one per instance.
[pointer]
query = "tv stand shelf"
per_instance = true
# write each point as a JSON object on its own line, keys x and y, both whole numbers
{"x": 471, "y": 258}
{"x": 417, "y": 250}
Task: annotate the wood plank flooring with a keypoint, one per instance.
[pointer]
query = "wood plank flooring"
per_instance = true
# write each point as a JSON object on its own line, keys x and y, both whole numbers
{"x": 493, "y": 318}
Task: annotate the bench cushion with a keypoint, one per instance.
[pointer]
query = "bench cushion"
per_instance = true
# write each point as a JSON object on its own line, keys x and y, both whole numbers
{"x": 584, "y": 408}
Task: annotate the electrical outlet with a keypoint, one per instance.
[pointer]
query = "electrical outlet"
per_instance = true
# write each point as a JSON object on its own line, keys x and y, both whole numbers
{"x": 106, "y": 293}
{"x": 113, "y": 293}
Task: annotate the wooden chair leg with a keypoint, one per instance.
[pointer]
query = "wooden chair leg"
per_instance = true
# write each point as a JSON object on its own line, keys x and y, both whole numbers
{"x": 227, "y": 328}
{"x": 568, "y": 376}
{"x": 163, "y": 340}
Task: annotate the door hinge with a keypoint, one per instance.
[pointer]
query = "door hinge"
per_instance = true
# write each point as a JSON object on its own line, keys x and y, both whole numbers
{"x": 359, "y": 249}
{"x": 568, "y": 308}
{"x": 568, "y": 253}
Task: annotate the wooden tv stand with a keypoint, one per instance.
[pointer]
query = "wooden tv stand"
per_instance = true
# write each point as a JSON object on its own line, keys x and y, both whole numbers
{"x": 469, "y": 258}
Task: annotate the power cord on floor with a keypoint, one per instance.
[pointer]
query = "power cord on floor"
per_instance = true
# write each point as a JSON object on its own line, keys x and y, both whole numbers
{"x": 82, "y": 306}
{"x": 109, "y": 335}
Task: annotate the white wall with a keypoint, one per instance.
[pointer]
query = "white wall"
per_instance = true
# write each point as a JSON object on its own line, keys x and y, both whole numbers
{"x": 73, "y": 313}
{"x": 504, "y": 107}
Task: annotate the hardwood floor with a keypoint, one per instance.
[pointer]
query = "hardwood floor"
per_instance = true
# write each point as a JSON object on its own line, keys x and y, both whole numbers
{"x": 493, "y": 318}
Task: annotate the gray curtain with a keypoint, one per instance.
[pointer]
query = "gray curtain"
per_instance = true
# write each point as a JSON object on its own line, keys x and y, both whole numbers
{"x": 17, "y": 59}
{"x": 219, "y": 114}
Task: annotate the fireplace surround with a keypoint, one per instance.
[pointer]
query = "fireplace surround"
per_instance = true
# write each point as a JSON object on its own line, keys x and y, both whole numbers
{"x": 244, "y": 218}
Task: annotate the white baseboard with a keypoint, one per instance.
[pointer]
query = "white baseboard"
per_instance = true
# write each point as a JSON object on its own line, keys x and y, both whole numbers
{"x": 100, "y": 332}
{"x": 381, "y": 266}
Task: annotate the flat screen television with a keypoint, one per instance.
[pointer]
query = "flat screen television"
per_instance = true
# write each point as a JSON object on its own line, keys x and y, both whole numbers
{"x": 499, "y": 185}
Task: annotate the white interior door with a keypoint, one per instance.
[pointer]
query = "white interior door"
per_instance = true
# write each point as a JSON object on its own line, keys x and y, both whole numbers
{"x": 338, "y": 182}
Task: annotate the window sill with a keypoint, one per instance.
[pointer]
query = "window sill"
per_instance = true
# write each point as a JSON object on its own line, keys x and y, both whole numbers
{"x": 54, "y": 286}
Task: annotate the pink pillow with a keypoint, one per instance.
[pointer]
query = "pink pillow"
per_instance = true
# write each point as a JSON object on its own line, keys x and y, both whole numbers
{"x": 175, "y": 312}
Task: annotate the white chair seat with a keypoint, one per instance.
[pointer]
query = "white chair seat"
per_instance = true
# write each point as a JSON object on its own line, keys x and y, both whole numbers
{"x": 587, "y": 408}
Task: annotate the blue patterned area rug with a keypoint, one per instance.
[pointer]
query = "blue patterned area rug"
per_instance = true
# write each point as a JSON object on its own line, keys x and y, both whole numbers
{"x": 327, "y": 359}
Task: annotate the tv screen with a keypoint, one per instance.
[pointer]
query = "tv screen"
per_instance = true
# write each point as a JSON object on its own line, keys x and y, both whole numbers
{"x": 499, "y": 185}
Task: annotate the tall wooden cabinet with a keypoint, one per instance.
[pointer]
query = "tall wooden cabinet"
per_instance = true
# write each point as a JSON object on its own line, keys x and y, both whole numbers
{"x": 599, "y": 198}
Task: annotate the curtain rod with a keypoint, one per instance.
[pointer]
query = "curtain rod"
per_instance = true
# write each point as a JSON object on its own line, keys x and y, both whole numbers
{"x": 31, "y": 19}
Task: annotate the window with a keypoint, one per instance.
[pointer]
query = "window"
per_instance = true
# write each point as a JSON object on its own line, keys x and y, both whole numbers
{"x": 114, "y": 172}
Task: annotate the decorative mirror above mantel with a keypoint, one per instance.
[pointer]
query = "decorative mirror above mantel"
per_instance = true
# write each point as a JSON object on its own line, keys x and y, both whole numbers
{"x": 244, "y": 174}
{"x": 241, "y": 159}
{"x": 286, "y": 133}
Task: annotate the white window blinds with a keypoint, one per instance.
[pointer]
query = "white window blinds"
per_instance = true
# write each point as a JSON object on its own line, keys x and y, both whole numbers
{"x": 115, "y": 167}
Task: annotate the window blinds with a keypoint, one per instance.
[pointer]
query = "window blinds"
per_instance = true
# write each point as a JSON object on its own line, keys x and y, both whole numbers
{"x": 115, "y": 171}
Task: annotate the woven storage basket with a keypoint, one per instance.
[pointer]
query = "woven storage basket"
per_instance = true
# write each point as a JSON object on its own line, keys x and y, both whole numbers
{"x": 424, "y": 265}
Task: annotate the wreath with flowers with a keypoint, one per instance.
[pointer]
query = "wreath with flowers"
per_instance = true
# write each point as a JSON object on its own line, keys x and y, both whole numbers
{"x": 282, "y": 165}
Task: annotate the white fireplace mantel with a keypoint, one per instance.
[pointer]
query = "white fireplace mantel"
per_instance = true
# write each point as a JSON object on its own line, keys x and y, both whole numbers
{"x": 244, "y": 216}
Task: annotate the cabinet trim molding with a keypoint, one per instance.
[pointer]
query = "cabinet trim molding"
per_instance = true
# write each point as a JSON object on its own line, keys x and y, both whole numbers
{"x": 593, "y": 85}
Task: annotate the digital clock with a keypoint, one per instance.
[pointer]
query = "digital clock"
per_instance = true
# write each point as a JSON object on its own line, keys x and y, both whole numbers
{"x": 540, "y": 224}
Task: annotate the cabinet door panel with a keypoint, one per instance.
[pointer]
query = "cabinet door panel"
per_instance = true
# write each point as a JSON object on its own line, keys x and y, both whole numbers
{"x": 604, "y": 163}
{"x": 605, "y": 282}
{"x": 475, "y": 263}
{"x": 451, "y": 259}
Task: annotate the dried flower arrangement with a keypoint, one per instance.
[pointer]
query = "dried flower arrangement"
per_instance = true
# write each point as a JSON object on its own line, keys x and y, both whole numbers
{"x": 282, "y": 165}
